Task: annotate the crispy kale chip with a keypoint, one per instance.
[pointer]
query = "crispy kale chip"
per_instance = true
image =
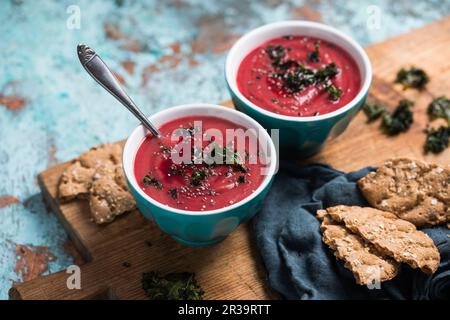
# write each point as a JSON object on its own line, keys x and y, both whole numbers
{"x": 373, "y": 111}
{"x": 334, "y": 93}
{"x": 314, "y": 56}
{"x": 173, "y": 192}
{"x": 173, "y": 286}
{"x": 412, "y": 78}
{"x": 298, "y": 80}
{"x": 228, "y": 156}
{"x": 198, "y": 176}
{"x": 439, "y": 108}
{"x": 276, "y": 53}
{"x": 400, "y": 120}
{"x": 437, "y": 139}
{"x": 296, "y": 77}
{"x": 150, "y": 181}
{"x": 303, "y": 77}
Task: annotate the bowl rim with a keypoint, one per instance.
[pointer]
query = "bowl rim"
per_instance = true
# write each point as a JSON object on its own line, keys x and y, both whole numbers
{"x": 128, "y": 159}
{"x": 232, "y": 85}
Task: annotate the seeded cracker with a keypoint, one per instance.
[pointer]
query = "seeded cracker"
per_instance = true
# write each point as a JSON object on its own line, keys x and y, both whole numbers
{"x": 414, "y": 190}
{"x": 360, "y": 257}
{"x": 75, "y": 182}
{"x": 109, "y": 196}
{"x": 97, "y": 175}
{"x": 392, "y": 236}
{"x": 77, "y": 179}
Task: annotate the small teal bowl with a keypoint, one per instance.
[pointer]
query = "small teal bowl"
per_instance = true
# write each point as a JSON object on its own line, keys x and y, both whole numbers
{"x": 305, "y": 135}
{"x": 199, "y": 228}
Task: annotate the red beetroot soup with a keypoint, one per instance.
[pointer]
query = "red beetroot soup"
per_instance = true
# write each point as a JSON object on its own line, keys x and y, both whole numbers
{"x": 299, "y": 76}
{"x": 191, "y": 186}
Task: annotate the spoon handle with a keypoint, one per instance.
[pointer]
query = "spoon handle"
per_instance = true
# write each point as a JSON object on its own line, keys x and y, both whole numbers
{"x": 98, "y": 70}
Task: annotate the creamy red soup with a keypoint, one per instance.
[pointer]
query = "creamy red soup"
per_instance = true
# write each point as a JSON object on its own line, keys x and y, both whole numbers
{"x": 198, "y": 186}
{"x": 299, "y": 76}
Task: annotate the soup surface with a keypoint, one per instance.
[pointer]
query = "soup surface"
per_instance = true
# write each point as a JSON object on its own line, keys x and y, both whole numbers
{"x": 197, "y": 165}
{"x": 299, "y": 76}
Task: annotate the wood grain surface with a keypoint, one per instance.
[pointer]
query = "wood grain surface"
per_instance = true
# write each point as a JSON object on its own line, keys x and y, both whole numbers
{"x": 232, "y": 269}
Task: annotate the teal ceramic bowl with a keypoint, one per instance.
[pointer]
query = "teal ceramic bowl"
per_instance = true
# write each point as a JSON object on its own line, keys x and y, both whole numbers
{"x": 305, "y": 135}
{"x": 199, "y": 228}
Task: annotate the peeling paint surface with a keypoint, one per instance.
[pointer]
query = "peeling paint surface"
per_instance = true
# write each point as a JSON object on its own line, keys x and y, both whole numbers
{"x": 32, "y": 261}
{"x": 7, "y": 200}
{"x": 165, "y": 53}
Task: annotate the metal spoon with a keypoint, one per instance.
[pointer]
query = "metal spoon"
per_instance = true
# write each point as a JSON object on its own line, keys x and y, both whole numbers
{"x": 98, "y": 70}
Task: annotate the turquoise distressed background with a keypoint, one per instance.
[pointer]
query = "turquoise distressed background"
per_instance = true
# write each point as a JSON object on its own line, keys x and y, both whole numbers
{"x": 165, "y": 52}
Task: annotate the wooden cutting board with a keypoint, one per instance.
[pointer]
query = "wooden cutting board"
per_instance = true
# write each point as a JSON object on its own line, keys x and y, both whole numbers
{"x": 118, "y": 253}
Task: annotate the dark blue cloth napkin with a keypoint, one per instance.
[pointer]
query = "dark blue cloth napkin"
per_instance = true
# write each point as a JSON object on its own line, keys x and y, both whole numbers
{"x": 300, "y": 266}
